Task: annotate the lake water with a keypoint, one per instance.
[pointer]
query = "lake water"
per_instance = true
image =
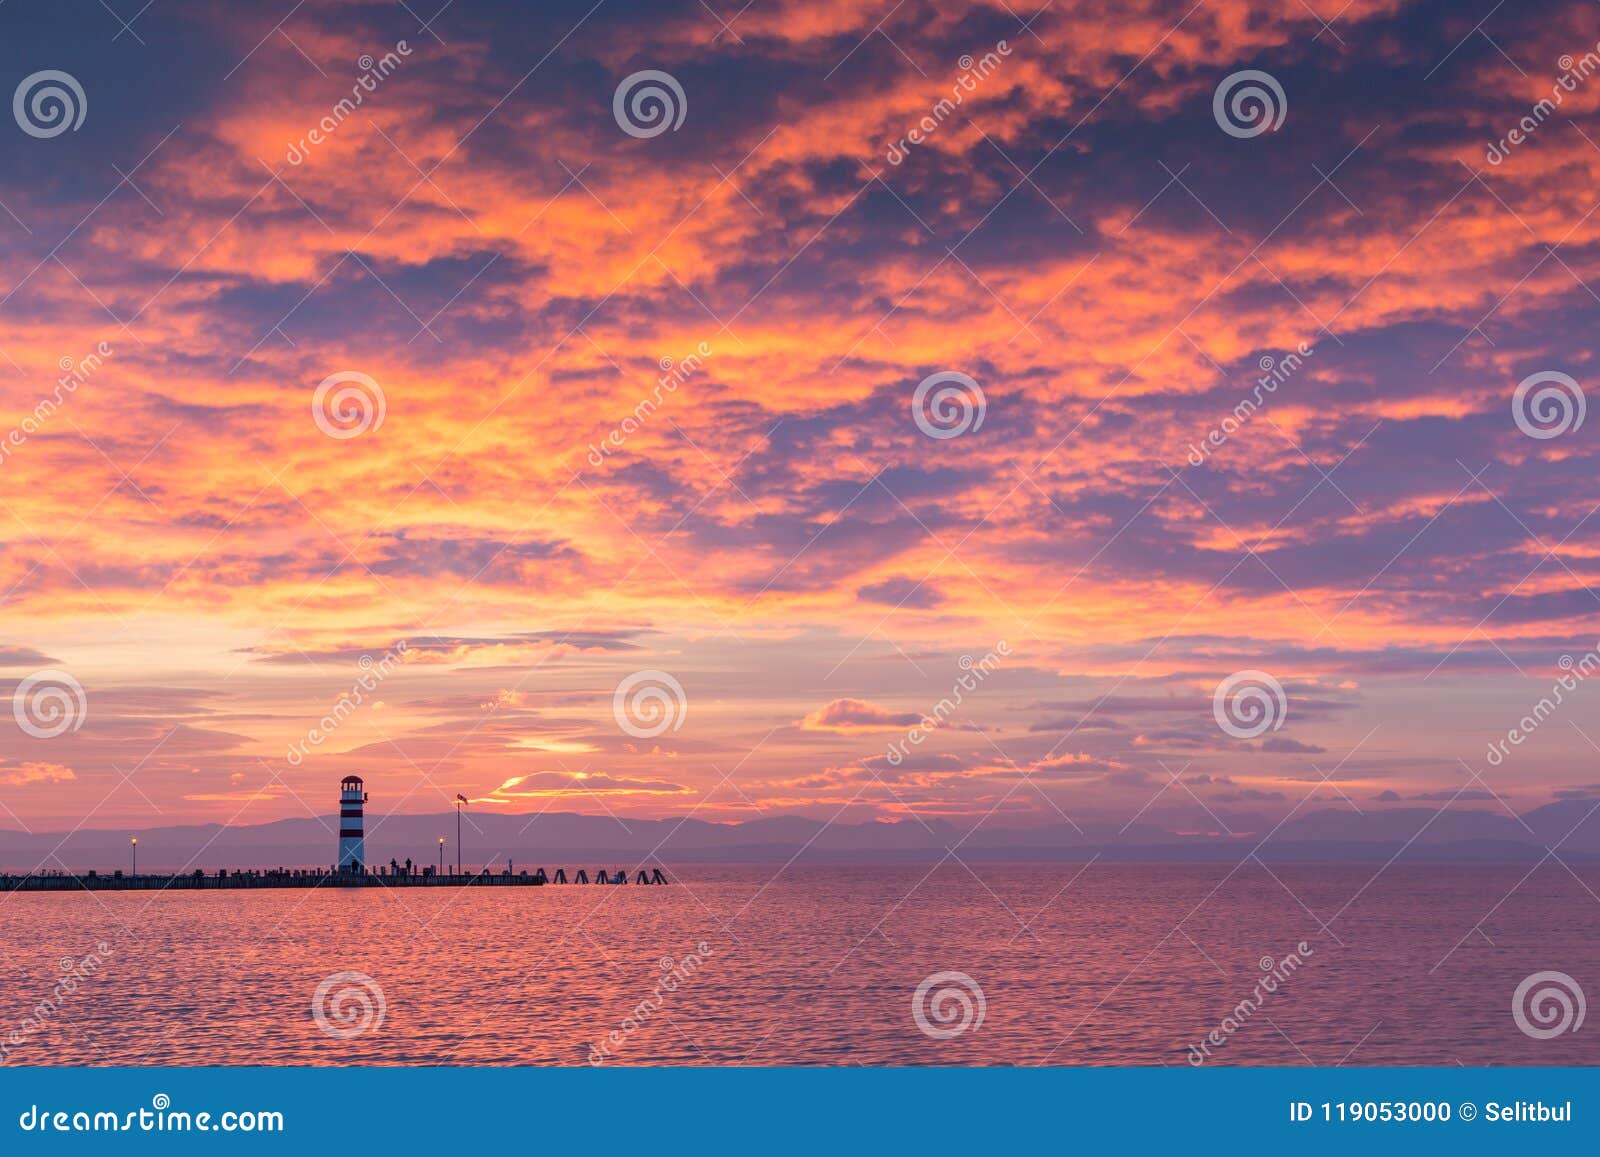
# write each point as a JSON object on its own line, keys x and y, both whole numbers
{"x": 1121, "y": 964}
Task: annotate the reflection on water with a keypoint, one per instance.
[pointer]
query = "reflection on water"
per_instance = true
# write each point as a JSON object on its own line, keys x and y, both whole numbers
{"x": 1123, "y": 964}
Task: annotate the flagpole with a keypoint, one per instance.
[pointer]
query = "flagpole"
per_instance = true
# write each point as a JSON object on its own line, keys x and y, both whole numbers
{"x": 458, "y": 835}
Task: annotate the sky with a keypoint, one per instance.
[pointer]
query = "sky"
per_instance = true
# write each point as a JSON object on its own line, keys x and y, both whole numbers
{"x": 673, "y": 444}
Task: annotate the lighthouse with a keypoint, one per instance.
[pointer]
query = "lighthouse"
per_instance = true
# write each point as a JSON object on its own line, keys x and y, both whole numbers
{"x": 352, "y": 841}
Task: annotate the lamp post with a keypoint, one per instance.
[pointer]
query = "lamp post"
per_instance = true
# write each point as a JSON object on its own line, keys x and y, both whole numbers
{"x": 460, "y": 799}
{"x": 133, "y": 843}
{"x": 441, "y": 855}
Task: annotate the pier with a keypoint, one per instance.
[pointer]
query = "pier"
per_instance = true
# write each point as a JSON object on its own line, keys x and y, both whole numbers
{"x": 351, "y": 870}
{"x": 222, "y": 880}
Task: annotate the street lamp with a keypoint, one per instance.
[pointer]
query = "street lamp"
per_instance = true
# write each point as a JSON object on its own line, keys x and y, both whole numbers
{"x": 441, "y": 855}
{"x": 133, "y": 842}
{"x": 460, "y": 801}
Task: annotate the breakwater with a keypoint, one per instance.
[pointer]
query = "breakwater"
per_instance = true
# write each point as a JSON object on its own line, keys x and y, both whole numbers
{"x": 314, "y": 878}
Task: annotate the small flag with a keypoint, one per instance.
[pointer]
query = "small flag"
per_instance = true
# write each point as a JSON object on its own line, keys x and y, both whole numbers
{"x": 462, "y": 798}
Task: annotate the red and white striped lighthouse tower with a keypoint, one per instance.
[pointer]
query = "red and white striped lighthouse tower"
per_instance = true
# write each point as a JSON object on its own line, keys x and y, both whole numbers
{"x": 352, "y": 836}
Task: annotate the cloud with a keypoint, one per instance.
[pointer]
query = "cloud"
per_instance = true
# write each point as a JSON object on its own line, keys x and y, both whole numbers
{"x": 1284, "y": 745}
{"x": 1081, "y": 765}
{"x": 26, "y": 774}
{"x": 25, "y": 657}
{"x": 846, "y": 716}
{"x": 549, "y": 784}
{"x": 776, "y": 522}
{"x": 917, "y": 761}
{"x": 527, "y": 646}
{"x": 902, "y": 592}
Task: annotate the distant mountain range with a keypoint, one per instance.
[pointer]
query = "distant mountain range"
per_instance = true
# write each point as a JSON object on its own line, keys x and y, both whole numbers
{"x": 567, "y": 839}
